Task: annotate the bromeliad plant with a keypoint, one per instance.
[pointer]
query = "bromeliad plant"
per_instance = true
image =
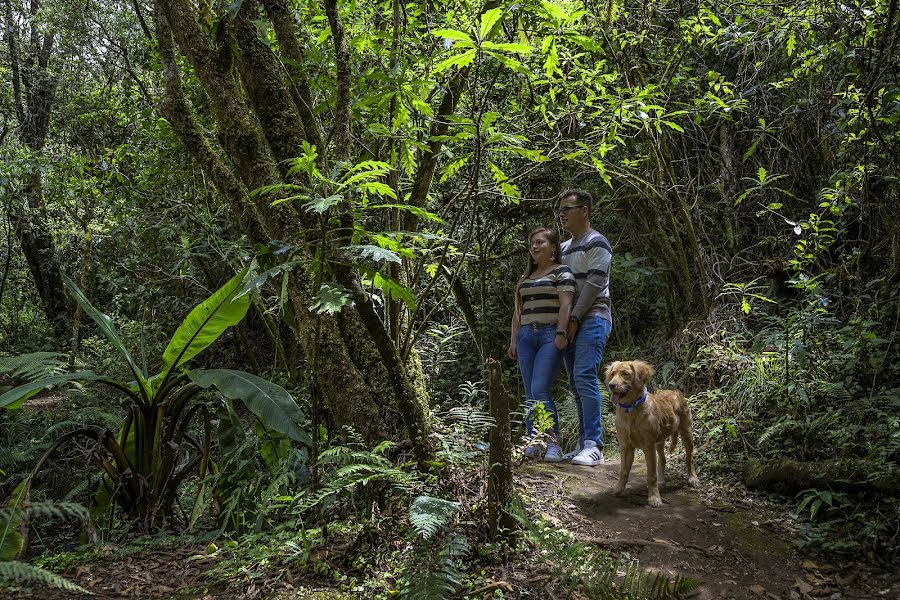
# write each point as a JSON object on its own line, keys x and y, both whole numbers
{"x": 166, "y": 435}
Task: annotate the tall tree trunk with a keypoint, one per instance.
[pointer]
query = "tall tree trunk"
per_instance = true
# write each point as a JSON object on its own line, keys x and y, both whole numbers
{"x": 259, "y": 126}
{"x": 34, "y": 94}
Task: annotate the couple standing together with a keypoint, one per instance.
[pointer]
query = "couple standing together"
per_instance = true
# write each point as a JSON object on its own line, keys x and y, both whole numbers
{"x": 563, "y": 314}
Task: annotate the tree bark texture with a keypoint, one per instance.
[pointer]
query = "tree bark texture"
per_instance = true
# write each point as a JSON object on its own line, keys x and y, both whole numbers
{"x": 34, "y": 94}
{"x": 260, "y": 125}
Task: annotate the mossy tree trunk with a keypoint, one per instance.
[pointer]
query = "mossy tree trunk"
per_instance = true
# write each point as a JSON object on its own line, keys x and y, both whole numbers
{"x": 261, "y": 104}
{"x": 34, "y": 86}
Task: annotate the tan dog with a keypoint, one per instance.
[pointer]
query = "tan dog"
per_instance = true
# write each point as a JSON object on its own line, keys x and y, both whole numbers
{"x": 646, "y": 421}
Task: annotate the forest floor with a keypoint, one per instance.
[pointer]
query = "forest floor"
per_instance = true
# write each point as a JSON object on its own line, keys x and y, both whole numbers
{"x": 736, "y": 542}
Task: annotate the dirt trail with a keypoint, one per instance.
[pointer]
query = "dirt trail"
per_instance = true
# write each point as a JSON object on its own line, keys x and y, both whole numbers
{"x": 734, "y": 544}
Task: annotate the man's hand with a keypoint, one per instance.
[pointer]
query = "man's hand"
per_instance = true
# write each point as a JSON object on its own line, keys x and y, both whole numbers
{"x": 572, "y": 331}
{"x": 512, "y": 352}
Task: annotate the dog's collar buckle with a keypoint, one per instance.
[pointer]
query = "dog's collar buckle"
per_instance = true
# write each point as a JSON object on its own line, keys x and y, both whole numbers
{"x": 628, "y": 408}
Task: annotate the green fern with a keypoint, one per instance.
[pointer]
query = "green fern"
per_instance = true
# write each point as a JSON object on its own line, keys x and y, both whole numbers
{"x": 32, "y": 366}
{"x": 429, "y": 515}
{"x": 598, "y": 571}
{"x": 430, "y": 570}
{"x": 347, "y": 467}
{"x": 18, "y": 573}
{"x": 430, "y": 575}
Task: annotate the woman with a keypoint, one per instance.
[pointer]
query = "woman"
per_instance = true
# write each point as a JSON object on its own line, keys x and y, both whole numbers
{"x": 543, "y": 303}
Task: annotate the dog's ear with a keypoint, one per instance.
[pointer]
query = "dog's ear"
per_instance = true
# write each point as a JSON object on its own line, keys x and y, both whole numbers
{"x": 643, "y": 371}
{"x": 609, "y": 371}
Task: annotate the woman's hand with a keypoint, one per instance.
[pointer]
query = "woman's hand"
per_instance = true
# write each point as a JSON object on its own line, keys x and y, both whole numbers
{"x": 561, "y": 342}
{"x": 512, "y": 352}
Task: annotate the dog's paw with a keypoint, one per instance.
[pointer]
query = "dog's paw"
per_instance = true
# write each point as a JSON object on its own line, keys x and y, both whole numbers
{"x": 620, "y": 489}
{"x": 694, "y": 482}
{"x": 654, "y": 502}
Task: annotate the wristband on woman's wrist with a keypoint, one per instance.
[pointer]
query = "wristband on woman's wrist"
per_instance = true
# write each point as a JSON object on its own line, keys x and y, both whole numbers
{"x": 574, "y": 319}
{"x": 562, "y": 333}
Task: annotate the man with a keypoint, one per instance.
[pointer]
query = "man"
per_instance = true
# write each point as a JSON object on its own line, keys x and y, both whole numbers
{"x": 589, "y": 255}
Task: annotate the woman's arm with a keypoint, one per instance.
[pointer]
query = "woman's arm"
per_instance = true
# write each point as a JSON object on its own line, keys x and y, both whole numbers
{"x": 565, "y": 309}
{"x": 514, "y": 333}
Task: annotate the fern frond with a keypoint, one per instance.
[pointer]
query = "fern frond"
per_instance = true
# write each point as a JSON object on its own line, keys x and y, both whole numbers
{"x": 432, "y": 575}
{"x": 428, "y": 514}
{"x": 57, "y": 510}
{"x": 20, "y": 573}
{"x": 775, "y": 428}
{"x": 32, "y": 366}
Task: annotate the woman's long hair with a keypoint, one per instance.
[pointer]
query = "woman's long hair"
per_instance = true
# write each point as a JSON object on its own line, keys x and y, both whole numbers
{"x": 553, "y": 237}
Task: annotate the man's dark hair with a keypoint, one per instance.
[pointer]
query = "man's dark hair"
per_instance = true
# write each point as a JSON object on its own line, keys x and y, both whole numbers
{"x": 581, "y": 196}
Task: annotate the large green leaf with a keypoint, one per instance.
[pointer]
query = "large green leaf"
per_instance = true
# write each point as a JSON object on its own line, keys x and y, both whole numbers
{"x": 106, "y": 326}
{"x": 16, "y": 396}
{"x": 12, "y": 520}
{"x": 273, "y": 404}
{"x": 206, "y": 323}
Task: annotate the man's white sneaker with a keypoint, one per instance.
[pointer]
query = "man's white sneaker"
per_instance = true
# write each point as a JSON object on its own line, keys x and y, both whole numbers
{"x": 573, "y": 453}
{"x": 589, "y": 456}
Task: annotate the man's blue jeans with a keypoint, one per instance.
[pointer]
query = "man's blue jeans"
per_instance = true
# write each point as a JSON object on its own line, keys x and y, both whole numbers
{"x": 582, "y": 361}
{"x": 539, "y": 362}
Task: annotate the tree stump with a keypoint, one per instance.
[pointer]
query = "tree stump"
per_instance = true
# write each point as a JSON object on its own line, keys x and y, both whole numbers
{"x": 500, "y": 483}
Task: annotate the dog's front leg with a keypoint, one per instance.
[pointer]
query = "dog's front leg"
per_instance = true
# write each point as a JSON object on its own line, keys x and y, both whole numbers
{"x": 624, "y": 468}
{"x": 653, "y": 497}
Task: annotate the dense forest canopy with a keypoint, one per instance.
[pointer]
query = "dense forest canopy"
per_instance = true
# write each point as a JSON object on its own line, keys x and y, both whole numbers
{"x": 370, "y": 171}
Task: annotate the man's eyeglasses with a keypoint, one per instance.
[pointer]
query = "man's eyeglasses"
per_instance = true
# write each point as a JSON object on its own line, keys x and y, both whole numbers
{"x": 566, "y": 209}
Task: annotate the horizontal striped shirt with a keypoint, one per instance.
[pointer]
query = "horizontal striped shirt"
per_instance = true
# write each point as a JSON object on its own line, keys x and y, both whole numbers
{"x": 590, "y": 254}
{"x": 540, "y": 296}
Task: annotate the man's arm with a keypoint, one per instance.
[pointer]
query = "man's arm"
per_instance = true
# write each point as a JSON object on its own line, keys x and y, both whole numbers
{"x": 592, "y": 286}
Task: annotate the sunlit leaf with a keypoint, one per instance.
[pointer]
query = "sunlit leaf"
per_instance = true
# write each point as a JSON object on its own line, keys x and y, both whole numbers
{"x": 207, "y": 322}
{"x": 377, "y": 253}
{"x": 320, "y": 205}
{"x": 330, "y": 299}
{"x": 488, "y": 20}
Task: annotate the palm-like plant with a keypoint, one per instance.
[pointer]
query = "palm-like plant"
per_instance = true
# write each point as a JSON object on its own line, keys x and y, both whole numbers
{"x": 155, "y": 449}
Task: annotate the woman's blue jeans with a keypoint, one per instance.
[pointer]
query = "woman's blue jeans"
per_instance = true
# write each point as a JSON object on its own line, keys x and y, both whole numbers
{"x": 539, "y": 362}
{"x": 582, "y": 361}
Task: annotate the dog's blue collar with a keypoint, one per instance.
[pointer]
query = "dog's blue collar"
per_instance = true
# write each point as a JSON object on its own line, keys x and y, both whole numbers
{"x": 630, "y": 407}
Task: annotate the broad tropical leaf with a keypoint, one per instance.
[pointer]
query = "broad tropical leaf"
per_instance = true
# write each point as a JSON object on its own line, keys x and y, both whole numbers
{"x": 16, "y": 396}
{"x": 206, "y": 323}
{"x": 106, "y": 326}
{"x": 12, "y": 518}
{"x": 273, "y": 404}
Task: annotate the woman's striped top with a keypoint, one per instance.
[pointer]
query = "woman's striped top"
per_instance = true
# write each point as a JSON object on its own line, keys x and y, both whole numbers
{"x": 540, "y": 297}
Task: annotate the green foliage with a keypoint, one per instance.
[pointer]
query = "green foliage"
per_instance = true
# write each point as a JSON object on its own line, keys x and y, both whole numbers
{"x": 32, "y": 366}
{"x": 20, "y": 573}
{"x": 431, "y": 569}
{"x": 206, "y": 323}
{"x": 347, "y": 468}
{"x": 271, "y": 403}
{"x": 600, "y": 573}
{"x": 143, "y": 466}
{"x": 428, "y": 515}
